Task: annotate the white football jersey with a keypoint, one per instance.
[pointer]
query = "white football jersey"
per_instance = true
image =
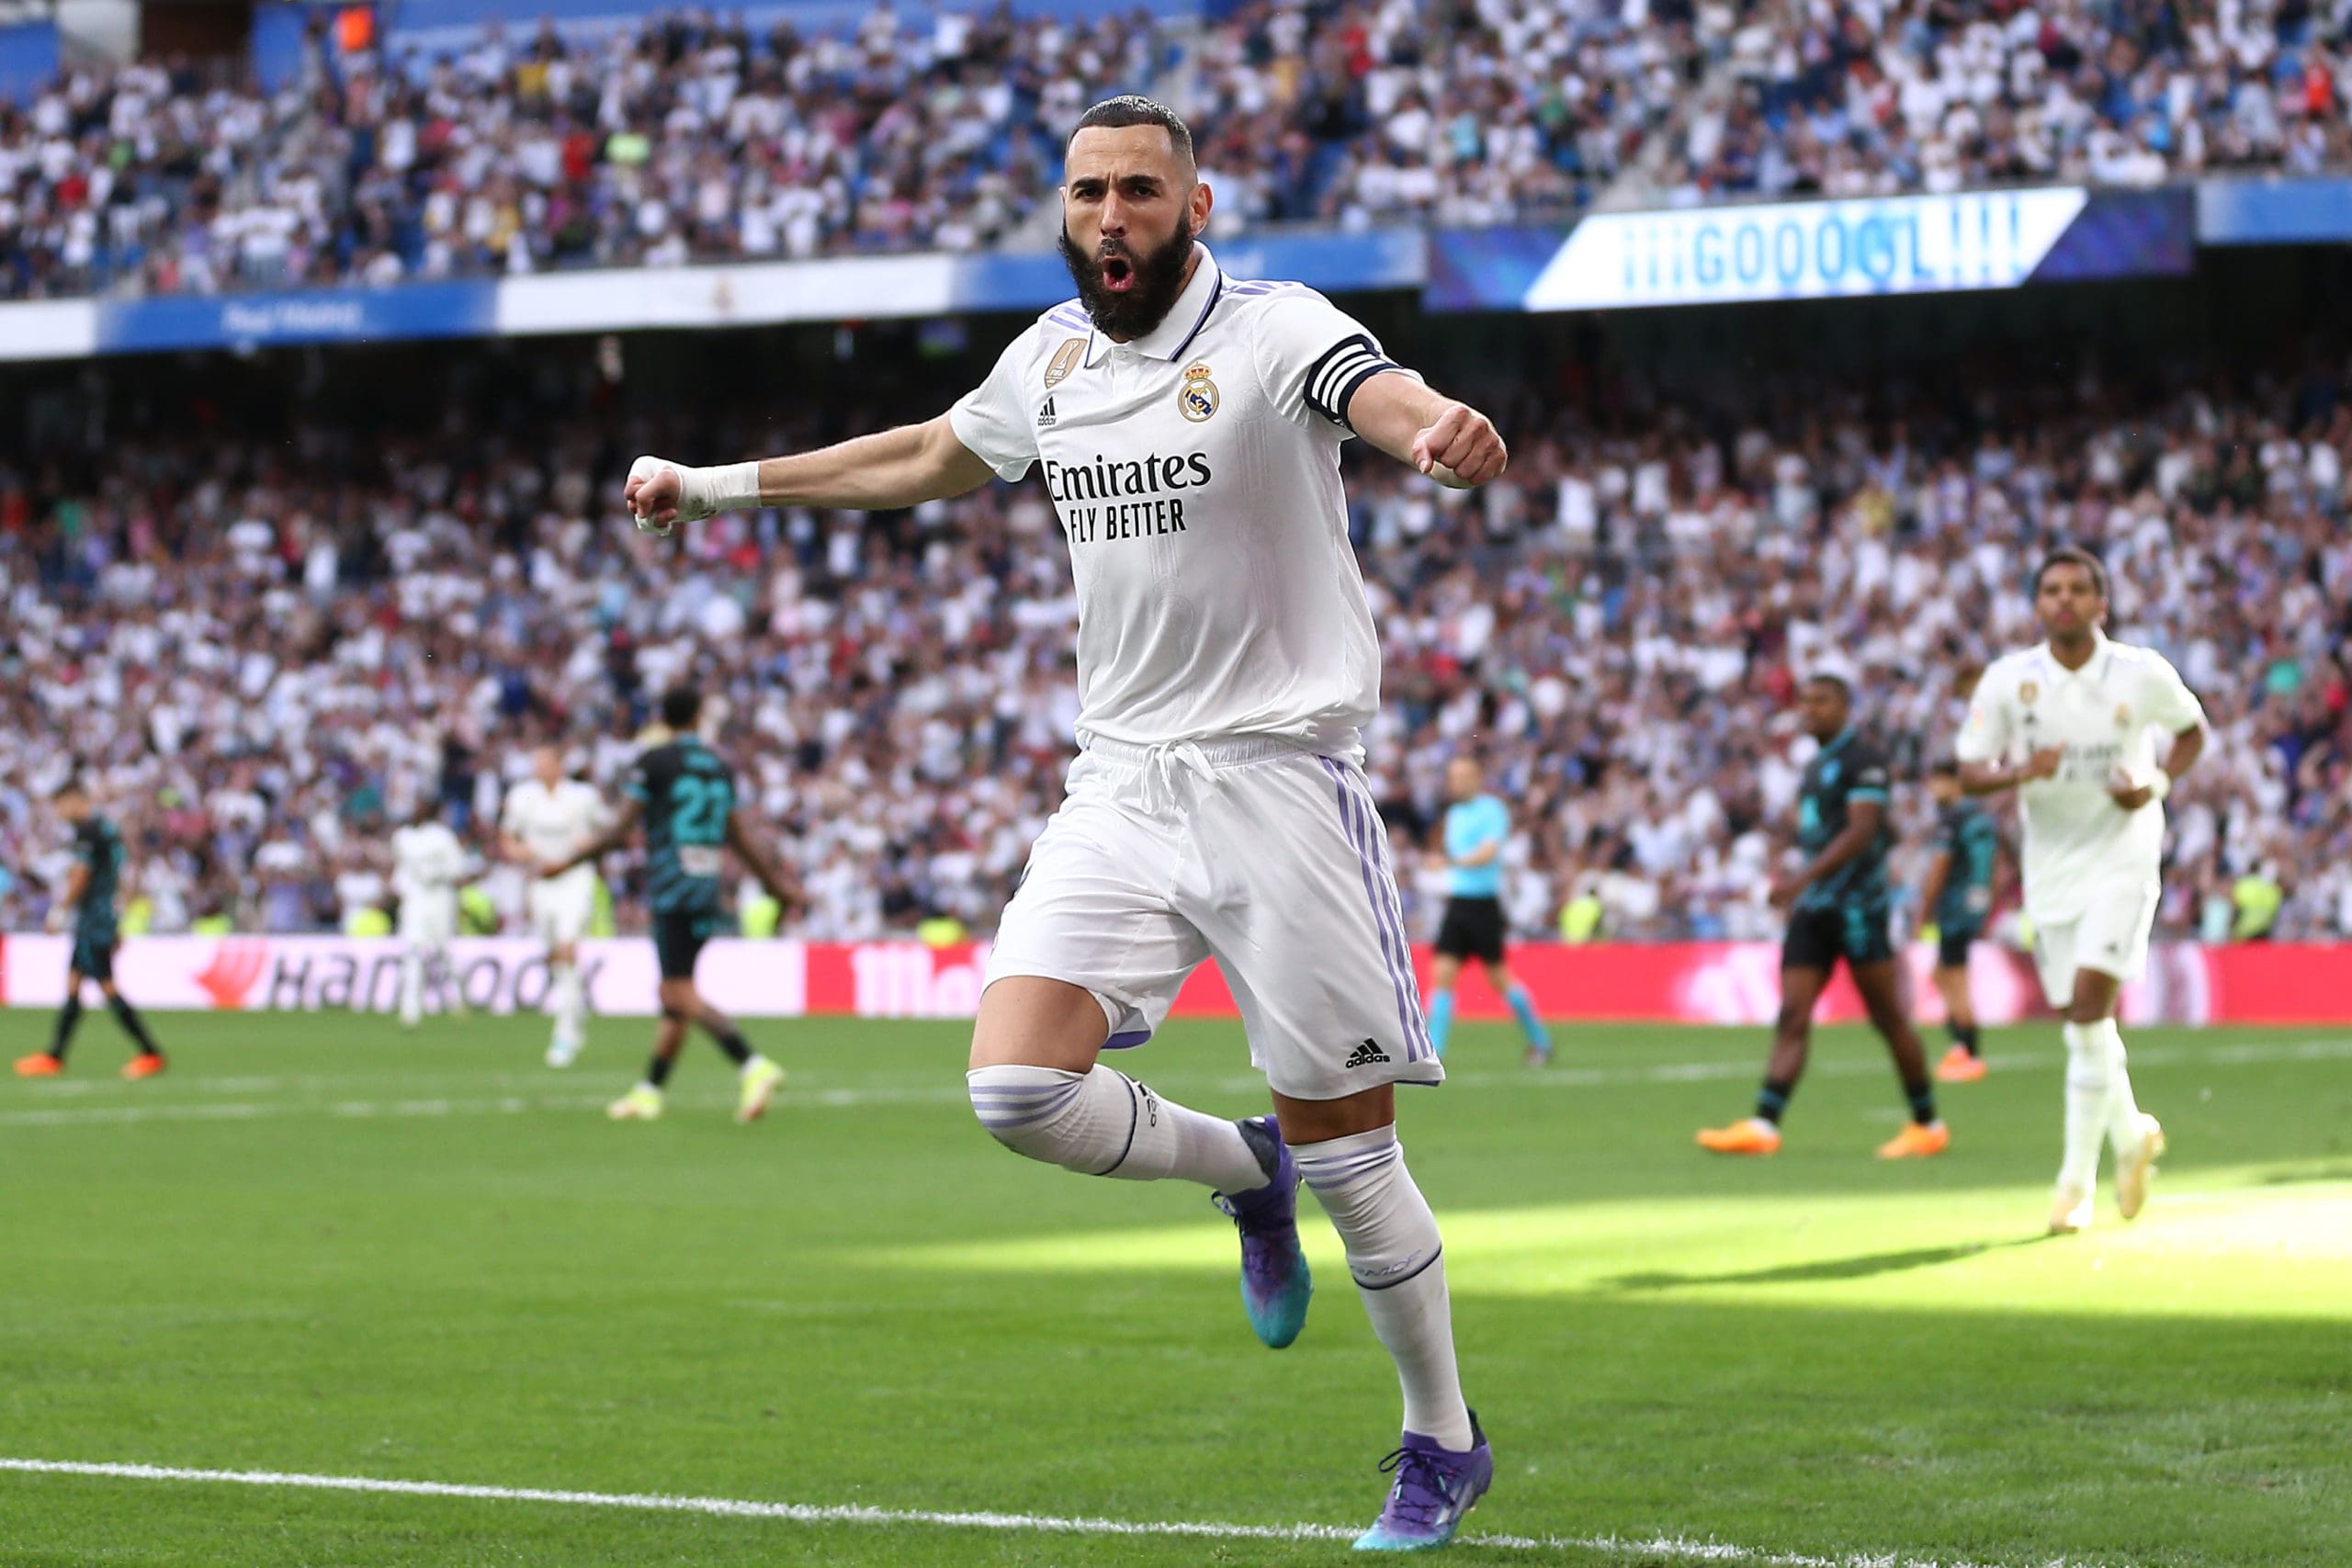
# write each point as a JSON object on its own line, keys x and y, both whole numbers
{"x": 554, "y": 823}
{"x": 1196, "y": 472}
{"x": 427, "y": 860}
{"x": 2080, "y": 844}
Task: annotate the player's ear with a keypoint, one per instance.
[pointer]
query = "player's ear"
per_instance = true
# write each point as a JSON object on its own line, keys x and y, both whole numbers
{"x": 1201, "y": 201}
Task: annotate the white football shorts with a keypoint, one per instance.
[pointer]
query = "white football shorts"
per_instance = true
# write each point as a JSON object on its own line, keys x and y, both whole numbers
{"x": 428, "y": 919}
{"x": 2110, "y": 936}
{"x": 1267, "y": 857}
{"x": 560, "y": 907}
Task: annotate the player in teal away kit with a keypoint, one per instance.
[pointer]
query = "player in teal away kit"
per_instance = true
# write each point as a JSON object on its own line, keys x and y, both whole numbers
{"x": 685, "y": 797}
{"x": 90, "y": 891}
{"x": 1839, "y": 907}
{"x": 1958, "y": 897}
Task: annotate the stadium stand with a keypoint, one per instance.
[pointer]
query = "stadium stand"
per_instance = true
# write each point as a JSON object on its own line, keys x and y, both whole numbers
{"x": 685, "y": 139}
{"x": 271, "y": 646}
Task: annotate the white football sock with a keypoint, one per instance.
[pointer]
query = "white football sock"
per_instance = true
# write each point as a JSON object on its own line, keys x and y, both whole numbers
{"x": 1398, "y": 1262}
{"x": 570, "y": 997}
{"x": 411, "y": 987}
{"x": 2089, "y": 1077}
{"x": 2122, "y": 1109}
{"x": 1102, "y": 1123}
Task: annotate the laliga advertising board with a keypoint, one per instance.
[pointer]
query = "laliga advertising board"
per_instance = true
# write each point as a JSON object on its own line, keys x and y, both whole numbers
{"x": 288, "y": 974}
{"x": 505, "y": 974}
{"x": 1723, "y": 983}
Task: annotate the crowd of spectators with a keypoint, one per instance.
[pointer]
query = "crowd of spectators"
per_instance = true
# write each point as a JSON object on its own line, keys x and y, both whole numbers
{"x": 690, "y": 139}
{"x": 1872, "y": 97}
{"x": 266, "y": 656}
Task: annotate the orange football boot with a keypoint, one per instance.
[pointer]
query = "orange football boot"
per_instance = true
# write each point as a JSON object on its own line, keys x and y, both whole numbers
{"x": 1916, "y": 1142}
{"x": 1959, "y": 1067}
{"x": 145, "y": 1066}
{"x": 41, "y": 1065}
{"x": 1753, "y": 1136}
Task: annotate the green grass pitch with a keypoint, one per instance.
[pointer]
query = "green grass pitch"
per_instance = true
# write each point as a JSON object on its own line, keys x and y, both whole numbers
{"x": 321, "y": 1247}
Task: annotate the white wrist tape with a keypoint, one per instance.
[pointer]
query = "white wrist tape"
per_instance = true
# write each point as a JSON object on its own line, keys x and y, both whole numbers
{"x": 705, "y": 492}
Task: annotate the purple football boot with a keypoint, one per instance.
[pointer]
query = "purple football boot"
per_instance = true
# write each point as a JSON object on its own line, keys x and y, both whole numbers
{"x": 1435, "y": 1489}
{"x": 1275, "y": 1280}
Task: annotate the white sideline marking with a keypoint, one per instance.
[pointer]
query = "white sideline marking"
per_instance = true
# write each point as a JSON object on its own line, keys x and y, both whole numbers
{"x": 241, "y": 1112}
{"x": 1677, "y": 1548}
{"x": 2252, "y": 1053}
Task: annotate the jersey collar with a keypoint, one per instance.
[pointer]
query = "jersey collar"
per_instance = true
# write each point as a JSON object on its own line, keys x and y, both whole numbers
{"x": 2093, "y": 668}
{"x": 1837, "y": 743}
{"x": 1185, "y": 318}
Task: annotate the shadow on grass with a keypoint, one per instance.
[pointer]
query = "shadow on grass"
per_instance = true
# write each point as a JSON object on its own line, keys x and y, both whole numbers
{"x": 1861, "y": 1268}
{"x": 2311, "y": 1174}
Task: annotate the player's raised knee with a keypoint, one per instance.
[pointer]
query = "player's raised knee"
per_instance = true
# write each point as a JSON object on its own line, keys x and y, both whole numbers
{"x": 1062, "y": 1118}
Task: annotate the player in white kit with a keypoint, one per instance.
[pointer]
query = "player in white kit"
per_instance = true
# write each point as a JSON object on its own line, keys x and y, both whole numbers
{"x": 2072, "y": 727}
{"x": 1188, "y": 427}
{"x": 428, "y": 863}
{"x": 545, "y": 819}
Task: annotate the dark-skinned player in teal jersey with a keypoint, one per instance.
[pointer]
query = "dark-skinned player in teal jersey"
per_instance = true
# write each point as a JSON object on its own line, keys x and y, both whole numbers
{"x": 685, "y": 797}
{"x": 91, "y": 888}
{"x": 1839, "y": 907}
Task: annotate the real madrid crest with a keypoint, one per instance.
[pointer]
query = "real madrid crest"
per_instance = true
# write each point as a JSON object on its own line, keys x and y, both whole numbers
{"x": 2027, "y": 692}
{"x": 2123, "y": 715}
{"x": 1196, "y": 400}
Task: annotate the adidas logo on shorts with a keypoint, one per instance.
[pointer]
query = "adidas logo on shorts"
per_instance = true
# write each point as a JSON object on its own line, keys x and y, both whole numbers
{"x": 1366, "y": 1055}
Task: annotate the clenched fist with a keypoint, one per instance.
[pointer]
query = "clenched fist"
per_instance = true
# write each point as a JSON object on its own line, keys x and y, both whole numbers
{"x": 662, "y": 494}
{"x": 653, "y": 492}
{"x": 1463, "y": 449}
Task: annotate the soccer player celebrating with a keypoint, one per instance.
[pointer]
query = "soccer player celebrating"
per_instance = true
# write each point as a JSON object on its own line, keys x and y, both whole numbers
{"x": 1188, "y": 426}
{"x": 1476, "y": 825}
{"x": 545, "y": 818}
{"x": 685, "y": 797}
{"x": 428, "y": 862}
{"x": 1958, "y": 897}
{"x": 1838, "y": 909}
{"x": 90, "y": 891}
{"x": 2071, "y": 727}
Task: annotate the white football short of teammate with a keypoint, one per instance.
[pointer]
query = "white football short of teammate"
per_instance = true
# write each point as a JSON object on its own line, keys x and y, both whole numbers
{"x": 2073, "y": 726}
{"x": 1187, "y": 427}
{"x": 545, "y": 819}
{"x": 428, "y": 865}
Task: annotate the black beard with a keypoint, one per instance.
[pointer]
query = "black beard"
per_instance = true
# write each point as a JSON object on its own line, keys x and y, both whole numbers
{"x": 1158, "y": 280}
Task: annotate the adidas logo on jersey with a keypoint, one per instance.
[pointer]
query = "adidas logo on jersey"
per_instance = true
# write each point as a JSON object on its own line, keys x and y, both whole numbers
{"x": 1366, "y": 1055}
{"x": 1045, "y": 414}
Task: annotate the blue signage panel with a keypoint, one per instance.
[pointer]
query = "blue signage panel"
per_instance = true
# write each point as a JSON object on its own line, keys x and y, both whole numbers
{"x": 28, "y": 59}
{"x": 2313, "y": 211}
{"x": 1335, "y": 263}
{"x": 2125, "y": 233}
{"x": 310, "y": 315}
{"x": 1488, "y": 269}
{"x": 1806, "y": 250}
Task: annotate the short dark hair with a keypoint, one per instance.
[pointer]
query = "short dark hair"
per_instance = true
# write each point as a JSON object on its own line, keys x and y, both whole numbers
{"x": 1134, "y": 108}
{"x": 681, "y": 706}
{"x": 75, "y": 784}
{"x": 1827, "y": 678}
{"x": 1944, "y": 768}
{"x": 2073, "y": 555}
